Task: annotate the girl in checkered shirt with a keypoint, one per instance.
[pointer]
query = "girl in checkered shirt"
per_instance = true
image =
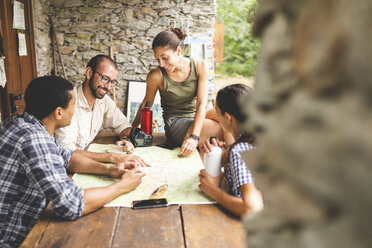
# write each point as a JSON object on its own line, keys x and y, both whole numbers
{"x": 243, "y": 196}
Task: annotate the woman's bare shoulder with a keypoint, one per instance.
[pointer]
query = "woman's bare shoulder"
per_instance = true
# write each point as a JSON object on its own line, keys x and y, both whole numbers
{"x": 155, "y": 75}
{"x": 201, "y": 66}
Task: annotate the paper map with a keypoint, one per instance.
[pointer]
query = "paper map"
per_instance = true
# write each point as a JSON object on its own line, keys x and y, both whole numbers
{"x": 181, "y": 175}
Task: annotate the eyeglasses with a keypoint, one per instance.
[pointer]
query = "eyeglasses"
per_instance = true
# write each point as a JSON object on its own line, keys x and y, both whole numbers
{"x": 106, "y": 80}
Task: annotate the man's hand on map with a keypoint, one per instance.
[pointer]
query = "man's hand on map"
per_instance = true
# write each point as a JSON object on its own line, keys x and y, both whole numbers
{"x": 126, "y": 145}
{"x": 131, "y": 179}
{"x": 138, "y": 161}
{"x": 208, "y": 183}
{"x": 118, "y": 157}
{"x": 118, "y": 170}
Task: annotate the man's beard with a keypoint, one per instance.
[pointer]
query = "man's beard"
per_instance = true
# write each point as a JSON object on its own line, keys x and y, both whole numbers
{"x": 94, "y": 91}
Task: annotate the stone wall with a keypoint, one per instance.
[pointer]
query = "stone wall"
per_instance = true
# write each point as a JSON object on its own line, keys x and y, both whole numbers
{"x": 86, "y": 28}
{"x": 312, "y": 115}
{"x": 41, "y": 11}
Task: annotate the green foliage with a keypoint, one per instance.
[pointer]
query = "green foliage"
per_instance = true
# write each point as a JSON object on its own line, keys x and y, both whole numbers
{"x": 240, "y": 48}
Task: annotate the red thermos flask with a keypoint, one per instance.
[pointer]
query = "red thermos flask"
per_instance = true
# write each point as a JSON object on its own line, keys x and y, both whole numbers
{"x": 146, "y": 119}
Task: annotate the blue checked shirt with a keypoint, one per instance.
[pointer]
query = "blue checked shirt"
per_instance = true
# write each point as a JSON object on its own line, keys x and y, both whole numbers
{"x": 237, "y": 173}
{"x": 32, "y": 172}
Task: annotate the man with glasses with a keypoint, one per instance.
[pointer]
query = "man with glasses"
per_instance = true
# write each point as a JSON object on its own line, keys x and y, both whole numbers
{"x": 94, "y": 108}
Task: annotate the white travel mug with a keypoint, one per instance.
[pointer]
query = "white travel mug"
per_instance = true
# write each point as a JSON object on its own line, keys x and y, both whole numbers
{"x": 212, "y": 161}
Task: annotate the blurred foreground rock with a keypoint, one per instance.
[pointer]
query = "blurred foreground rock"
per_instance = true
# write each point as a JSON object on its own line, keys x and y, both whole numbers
{"x": 312, "y": 115}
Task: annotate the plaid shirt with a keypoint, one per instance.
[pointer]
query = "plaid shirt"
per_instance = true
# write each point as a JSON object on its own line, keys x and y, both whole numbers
{"x": 237, "y": 173}
{"x": 32, "y": 172}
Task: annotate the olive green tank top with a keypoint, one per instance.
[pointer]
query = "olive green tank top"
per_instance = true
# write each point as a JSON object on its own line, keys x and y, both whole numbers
{"x": 178, "y": 99}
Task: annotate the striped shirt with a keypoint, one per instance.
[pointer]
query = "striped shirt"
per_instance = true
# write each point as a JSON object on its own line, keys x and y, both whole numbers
{"x": 32, "y": 172}
{"x": 237, "y": 173}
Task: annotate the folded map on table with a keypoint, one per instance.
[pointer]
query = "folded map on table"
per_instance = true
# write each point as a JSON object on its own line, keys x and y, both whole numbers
{"x": 180, "y": 173}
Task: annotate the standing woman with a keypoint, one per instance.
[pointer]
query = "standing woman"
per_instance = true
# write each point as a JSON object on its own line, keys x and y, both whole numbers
{"x": 183, "y": 86}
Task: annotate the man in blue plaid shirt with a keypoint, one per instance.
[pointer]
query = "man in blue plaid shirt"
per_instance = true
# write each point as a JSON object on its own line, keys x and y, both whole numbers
{"x": 33, "y": 166}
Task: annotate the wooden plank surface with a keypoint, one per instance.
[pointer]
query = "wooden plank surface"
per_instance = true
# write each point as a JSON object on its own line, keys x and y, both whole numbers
{"x": 109, "y": 137}
{"x": 38, "y": 230}
{"x": 105, "y": 137}
{"x": 211, "y": 226}
{"x": 156, "y": 227}
{"x": 93, "y": 230}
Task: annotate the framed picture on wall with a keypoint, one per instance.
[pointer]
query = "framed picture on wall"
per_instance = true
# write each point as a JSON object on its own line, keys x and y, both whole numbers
{"x": 136, "y": 93}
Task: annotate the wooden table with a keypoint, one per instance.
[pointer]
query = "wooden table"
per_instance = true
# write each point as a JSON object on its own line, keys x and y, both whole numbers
{"x": 172, "y": 226}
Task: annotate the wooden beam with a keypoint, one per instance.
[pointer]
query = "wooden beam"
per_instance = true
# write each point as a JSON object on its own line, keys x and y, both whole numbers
{"x": 218, "y": 41}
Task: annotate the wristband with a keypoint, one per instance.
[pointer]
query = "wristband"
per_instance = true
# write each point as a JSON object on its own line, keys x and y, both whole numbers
{"x": 194, "y": 136}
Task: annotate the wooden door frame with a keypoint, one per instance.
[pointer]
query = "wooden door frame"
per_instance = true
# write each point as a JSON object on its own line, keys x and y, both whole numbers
{"x": 15, "y": 60}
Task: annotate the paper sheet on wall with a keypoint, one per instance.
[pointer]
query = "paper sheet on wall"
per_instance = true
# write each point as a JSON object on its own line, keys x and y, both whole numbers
{"x": 22, "y": 48}
{"x": 181, "y": 175}
{"x": 19, "y": 15}
{"x": 2, "y": 72}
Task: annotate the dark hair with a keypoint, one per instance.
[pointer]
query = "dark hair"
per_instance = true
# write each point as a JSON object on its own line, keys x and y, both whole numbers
{"x": 171, "y": 38}
{"x": 98, "y": 59}
{"x": 228, "y": 100}
{"x": 44, "y": 94}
